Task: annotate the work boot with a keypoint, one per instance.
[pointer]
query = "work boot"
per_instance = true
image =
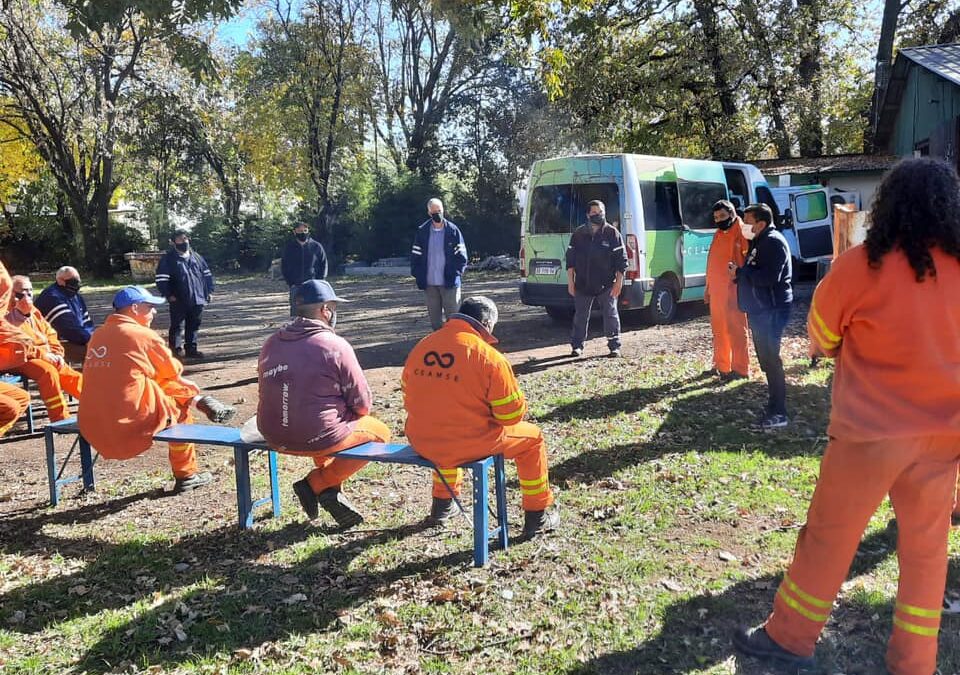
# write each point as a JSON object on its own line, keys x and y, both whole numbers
{"x": 538, "y": 522}
{"x": 215, "y": 410}
{"x": 337, "y": 505}
{"x": 441, "y": 511}
{"x": 755, "y": 642}
{"x": 192, "y": 482}
{"x": 193, "y": 352}
{"x": 177, "y": 353}
{"x": 308, "y": 500}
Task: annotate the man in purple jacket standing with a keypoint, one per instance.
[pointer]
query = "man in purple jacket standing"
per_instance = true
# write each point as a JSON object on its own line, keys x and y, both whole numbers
{"x": 315, "y": 401}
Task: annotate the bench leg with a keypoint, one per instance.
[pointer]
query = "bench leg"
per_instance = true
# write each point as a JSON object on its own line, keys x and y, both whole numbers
{"x": 500, "y": 486}
{"x": 241, "y": 465}
{"x": 274, "y": 483}
{"x": 52, "y": 467}
{"x": 86, "y": 465}
{"x": 481, "y": 519}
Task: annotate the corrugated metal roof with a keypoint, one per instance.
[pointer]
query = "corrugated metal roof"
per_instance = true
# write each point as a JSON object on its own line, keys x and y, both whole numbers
{"x": 827, "y": 164}
{"x": 943, "y": 60}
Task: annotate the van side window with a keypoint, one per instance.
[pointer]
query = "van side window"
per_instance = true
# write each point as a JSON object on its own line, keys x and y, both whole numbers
{"x": 737, "y": 185}
{"x": 560, "y": 209}
{"x": 811, "y": 207}
{"x": 661, "y": 205}
{"x": 696, "y": 203}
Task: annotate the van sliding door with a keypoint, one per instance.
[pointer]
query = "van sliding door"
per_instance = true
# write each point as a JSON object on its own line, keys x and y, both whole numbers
{"x": 700, "y": 185}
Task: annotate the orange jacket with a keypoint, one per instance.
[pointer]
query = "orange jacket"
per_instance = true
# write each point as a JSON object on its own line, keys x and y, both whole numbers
{"x": 15, "y": 348}
{"x": 727, "y": 246}
{"x": 37, "y": 337}
{"x": 458, "y": 389}
{"x": 130, "y": 383}
{"x": 897, "y": 344}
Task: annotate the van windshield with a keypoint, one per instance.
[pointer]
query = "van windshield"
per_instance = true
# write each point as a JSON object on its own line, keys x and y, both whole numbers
{"x": 559, "y": 209}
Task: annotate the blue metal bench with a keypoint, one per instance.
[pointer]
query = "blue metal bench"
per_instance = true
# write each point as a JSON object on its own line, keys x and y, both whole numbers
{"x": 368, "y": 452}
{"x": 404, "y": 454}
{"x": 181, "y": 433}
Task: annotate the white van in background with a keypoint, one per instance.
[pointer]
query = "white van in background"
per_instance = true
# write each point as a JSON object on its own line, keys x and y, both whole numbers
{"x": 808, "y": 218}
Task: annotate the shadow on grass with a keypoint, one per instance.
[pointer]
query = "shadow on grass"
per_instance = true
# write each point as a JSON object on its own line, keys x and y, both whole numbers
{"x": 695, "y": 632}
{"x": 211, "y": 587}
{"x": 707, "y": 419}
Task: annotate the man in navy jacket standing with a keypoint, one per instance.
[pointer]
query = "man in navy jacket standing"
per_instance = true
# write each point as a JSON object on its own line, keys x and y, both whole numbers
{"x": 186, "y": 281}
{"x": 765, "y": 294}
{"x": 303, "y": 259}
{"x": 437, "y": 260}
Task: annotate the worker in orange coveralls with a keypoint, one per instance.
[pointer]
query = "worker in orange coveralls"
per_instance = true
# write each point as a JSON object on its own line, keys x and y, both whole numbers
{"x": 42, "y": 361}
{"x": 134, "y": 389}
{"x": 731, "y": 357}
{"x": 889, "y": 311}
{"x": 14, "y": 400}
{"x": 463, "y": 403}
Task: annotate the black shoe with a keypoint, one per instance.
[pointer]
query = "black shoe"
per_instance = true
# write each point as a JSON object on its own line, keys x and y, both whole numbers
{"x": 576, "y": 351}
{"x": 337, "y": 505}
{"x": 441, "y": 511}
{"x": 755, "y": 642}
{"x": 215, "y": 410}
{"x": 734, "y": 376}
{"x": 538, "y": 522}
{"x": 615, "y": 353}
{"x": 308, "y": 500}
{"x": 192, "y": 482}
{"x": 193, "y": 353}
{"x": 177, "y": 353}
{"x": 708, "y": 373}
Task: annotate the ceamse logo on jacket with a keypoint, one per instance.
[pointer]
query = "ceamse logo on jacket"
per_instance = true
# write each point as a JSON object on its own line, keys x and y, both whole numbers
{"x": 434, "y": 359}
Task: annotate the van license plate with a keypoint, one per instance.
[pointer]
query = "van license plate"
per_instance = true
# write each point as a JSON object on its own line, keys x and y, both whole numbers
{"x": 545, "y": 270}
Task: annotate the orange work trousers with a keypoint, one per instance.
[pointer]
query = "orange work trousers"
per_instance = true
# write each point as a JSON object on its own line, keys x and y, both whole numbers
{"x": 919, "y": 474}
{"x": 182, "y": 456}
{"x": 522, "y": 443}
{"x": 52, "y": 381}
{"x": 730, "y": 336}
{"x": 333, "y": 471}
{"x": 13, "y": 402}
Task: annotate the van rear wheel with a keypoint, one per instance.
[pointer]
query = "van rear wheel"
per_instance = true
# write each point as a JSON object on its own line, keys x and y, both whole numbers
{"x": 663, "y": 304}
{"x": 559, "y": 313}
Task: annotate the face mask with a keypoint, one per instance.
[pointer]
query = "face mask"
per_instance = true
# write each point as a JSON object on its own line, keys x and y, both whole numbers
{"x": 71, "y": 286}
{"x": 725, "y": 224}
{"x": 302, "y": 236}
{"x": 437, "y": 217}
{"x": 24, "y": 305}
{"x": 183, "y": 248}
{"x": 597, "y": 219}
{"x": 746, "y": 230}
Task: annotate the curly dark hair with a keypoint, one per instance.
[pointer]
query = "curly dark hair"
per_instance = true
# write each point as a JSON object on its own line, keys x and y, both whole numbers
{"x": 917, "y": 207}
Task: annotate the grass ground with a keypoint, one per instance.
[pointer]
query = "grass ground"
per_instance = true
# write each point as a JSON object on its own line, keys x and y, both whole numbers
{"x": 677, "y": 523}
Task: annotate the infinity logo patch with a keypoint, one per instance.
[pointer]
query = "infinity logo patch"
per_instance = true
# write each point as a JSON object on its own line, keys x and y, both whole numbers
{"x": 444, "y": 360}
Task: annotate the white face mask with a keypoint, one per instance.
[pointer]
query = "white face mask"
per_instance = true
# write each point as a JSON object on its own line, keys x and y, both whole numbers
{"x": 746, "y": 230}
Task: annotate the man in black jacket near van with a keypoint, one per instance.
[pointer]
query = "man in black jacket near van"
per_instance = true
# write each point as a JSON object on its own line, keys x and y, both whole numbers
{"x": 765, "y": 293}
{"x": 596, "y": 261}
{"x": 303, "y": 259}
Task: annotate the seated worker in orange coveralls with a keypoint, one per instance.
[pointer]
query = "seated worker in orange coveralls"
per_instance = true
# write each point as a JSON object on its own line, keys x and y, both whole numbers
{"x": 14, "y": 400}
{"x": 134, "y": 389}
{"x": 889, "y": 311}
{"x": 43, "y": 360}
{"x": 731, "y": 355}
{"x": 463, "y": 403}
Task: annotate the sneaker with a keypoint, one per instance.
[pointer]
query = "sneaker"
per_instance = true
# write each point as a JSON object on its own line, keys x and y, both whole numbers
{"x": 538, "y": 522}
{"x": 308, "y": 500}
{"x": 756, "y": 643}
{"x": 774, "y": 422}
{"x": 615, "y": 353}
{"x": 215, "y": 410}
{"x": 951, "y": 605}
{"x": 576, "y": 351}
{"x": 192, "y": 482}
{"x": 441, "y": 511}
{"x": 708, "y": 373}
{"x": 337, "y": 505}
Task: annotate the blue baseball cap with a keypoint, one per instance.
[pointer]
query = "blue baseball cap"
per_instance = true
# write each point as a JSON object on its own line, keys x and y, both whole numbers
{"x": 131, "y": 295}
{"x": 316, "y": 291}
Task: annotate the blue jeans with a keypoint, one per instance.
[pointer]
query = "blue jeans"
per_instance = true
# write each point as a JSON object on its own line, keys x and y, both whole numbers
{"x": 767, "y": 328}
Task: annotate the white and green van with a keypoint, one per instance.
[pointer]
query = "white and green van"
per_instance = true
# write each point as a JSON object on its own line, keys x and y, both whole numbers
{"x": 662, "y": 207}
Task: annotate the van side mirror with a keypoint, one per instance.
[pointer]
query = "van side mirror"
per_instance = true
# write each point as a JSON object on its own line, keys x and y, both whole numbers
{"x": 787, "y": 219}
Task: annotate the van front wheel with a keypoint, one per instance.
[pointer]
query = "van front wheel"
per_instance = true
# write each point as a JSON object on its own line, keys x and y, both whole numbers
{"x": 663, "y": 304}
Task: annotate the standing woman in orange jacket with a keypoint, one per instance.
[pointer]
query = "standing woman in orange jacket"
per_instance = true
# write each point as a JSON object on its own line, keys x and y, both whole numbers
{"x": 889, "y": 311}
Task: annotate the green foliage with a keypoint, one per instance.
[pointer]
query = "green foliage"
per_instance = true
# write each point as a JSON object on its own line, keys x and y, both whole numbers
{"x": 401, "y": 206}
{"x": 259, "y": 241}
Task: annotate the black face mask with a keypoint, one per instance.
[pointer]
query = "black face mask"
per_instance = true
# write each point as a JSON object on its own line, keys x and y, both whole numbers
{"x": 725, "y": 224}
{"x": 71, "y": 286}
{"x": 301, "y": 236}
{"x": 183, "y": 248}
{"x": 437, "y": 217}
{"x": 597, "y": 219}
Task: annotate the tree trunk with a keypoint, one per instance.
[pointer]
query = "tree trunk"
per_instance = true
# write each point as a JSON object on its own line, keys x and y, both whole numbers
{"x": 721, "y": 128}
{"x": 810, "y": 73}
{"x": 882, "y": 64}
